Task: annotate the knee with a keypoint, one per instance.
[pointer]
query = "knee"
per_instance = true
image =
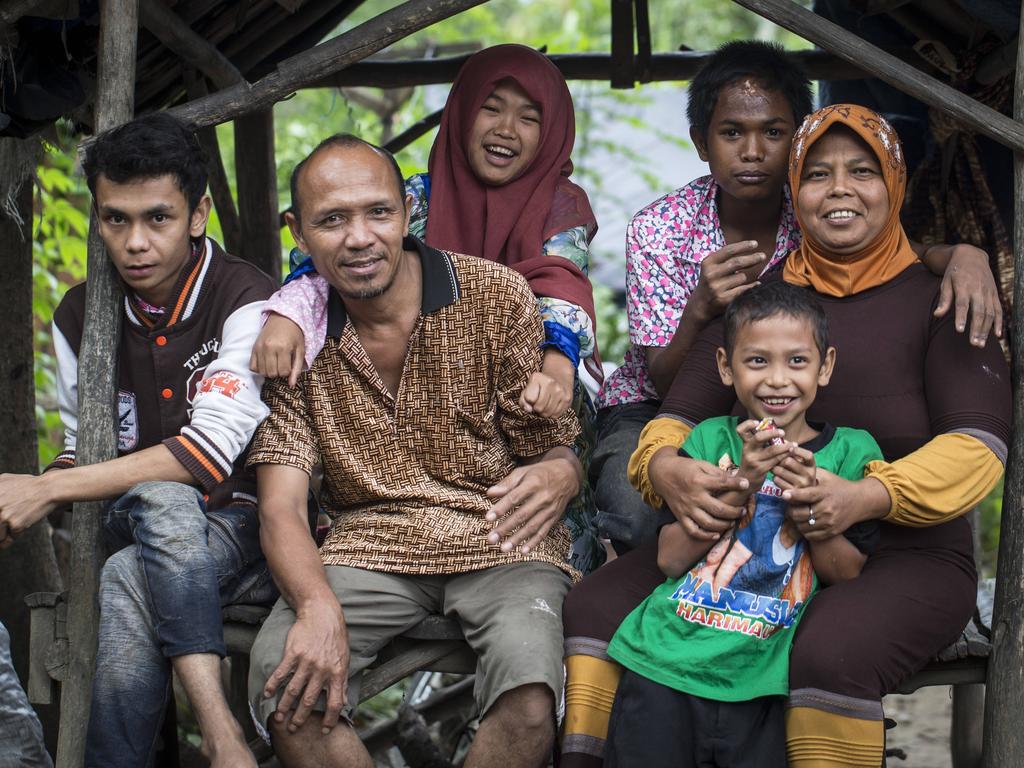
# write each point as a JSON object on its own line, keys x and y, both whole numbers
{"x": 165, "y": 494}
{"x": 528, "y": 709}
{"x": 120, "y": 574}
{"x": 842, "y": 664}
{"x": 159, "y": 506}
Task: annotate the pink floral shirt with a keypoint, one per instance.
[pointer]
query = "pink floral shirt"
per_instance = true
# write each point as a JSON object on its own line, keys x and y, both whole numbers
{"x": 665, "y": 245}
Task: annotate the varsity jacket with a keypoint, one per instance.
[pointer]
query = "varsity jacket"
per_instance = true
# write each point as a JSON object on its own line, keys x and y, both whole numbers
{"x": 183, "y": 379}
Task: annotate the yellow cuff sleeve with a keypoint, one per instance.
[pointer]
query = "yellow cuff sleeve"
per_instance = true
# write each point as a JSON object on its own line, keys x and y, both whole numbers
{"x": 941, "y": 480}
{"x": 659, "y": 433}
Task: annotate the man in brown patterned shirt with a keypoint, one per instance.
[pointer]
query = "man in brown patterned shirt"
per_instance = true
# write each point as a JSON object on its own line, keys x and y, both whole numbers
{"x": 446, "y": 495}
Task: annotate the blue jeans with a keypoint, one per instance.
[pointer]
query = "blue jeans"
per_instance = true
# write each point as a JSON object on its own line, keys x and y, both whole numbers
{"x": 160, "y": 597}
{"x": 21, "y": 736}
{"x": 623, "y": 516}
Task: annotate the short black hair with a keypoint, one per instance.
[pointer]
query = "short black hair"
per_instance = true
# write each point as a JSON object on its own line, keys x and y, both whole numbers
{"x": 154, "y": 145}
{"x": 772, "y": 299}
{"x": 765, "y": 62}
{"x": 344, "y": 141}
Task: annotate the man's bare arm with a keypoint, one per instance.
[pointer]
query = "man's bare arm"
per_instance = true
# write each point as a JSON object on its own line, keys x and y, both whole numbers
{"x": 316, "y": 651}
{"x": 26, "y": 499}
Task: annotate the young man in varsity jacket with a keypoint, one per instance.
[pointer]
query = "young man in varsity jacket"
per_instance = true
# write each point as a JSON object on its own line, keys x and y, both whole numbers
{"x": 184, "y": 521}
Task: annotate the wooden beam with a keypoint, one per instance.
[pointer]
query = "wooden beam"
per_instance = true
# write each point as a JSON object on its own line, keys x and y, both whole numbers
{"x": 12, "y": 10}
{"x": 97, "y": 388}
{"x": 414, "y": 131}
{"x": 662, "y": 67}
{"x": 882, "y": 65}
{"x": 1004, "y": 695}
{"x": 195, "y": 49}
{"x": 622, "y": 75}
{"x": 256, "y": 181}
{"x": 326, "y": 58}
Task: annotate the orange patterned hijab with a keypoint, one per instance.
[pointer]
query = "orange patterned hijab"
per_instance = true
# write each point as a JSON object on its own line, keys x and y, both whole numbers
{"x": 888, "y": 254}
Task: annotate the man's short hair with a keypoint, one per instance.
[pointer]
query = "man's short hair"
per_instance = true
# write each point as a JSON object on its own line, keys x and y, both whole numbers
{"x": 154, "y": 145}
{"x": 772, "y": 299}
{"x": 344, "y": 141}
{"x": 764, "y": 62}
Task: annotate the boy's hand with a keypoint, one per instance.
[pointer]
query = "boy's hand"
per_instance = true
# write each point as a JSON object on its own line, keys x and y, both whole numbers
{"x": 759, "y": 455}
{"x": 797, "y": 470}
{"x": 279, "y": 350}
{"x": 724, "y": 275}
{"x": 24, "y": 501}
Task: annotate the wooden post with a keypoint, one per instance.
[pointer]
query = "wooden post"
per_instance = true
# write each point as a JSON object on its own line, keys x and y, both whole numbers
{"x": 97, "y": 387}
{"x": 256, "y": 177}
{"x": 887, "y": 67}
{"x": 1004, "y": 697}
{"x": 622, "y": 44}
{"x": 28, "y": 566}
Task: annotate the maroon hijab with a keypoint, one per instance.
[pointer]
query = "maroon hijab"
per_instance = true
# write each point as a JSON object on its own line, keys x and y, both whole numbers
{"x": 509, "y": 224}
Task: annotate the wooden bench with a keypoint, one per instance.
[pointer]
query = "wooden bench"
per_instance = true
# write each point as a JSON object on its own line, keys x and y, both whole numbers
{"x": 437, "y": 644}
{"x": 964, "y": 666}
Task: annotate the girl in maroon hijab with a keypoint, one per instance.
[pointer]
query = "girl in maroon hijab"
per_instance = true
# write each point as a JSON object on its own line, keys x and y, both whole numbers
{"x": 498, "y": 187}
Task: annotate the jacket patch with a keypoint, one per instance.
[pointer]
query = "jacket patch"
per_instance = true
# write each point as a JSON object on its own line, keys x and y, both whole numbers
{"x": 128, "y": 422}
{"x": 224, "y": 382}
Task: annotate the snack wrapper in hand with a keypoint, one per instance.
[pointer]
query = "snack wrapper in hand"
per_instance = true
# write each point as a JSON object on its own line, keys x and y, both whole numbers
{"x": 769, "y": 423}
{"x": 726, "y": 465}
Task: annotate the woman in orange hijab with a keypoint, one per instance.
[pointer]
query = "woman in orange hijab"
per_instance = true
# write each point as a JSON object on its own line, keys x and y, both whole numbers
{"x": 938, "y": 407}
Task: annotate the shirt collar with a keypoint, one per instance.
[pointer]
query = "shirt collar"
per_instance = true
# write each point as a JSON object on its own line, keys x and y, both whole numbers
{"x": 440, "y": 285}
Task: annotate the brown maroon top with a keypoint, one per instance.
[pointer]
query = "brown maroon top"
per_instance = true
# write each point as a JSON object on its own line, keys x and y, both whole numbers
{"x": 901, "y": 373}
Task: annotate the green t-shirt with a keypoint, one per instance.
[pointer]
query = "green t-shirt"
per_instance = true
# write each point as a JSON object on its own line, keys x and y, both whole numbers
{"x": 728, "y": 638}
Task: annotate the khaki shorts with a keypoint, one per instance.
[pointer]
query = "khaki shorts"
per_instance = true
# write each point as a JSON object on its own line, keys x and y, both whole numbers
{"x": 511, "y": 616}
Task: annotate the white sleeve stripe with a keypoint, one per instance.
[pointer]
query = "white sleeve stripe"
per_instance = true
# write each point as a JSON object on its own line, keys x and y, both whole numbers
{"x": 210, "y": 449}
{"x": 197, "y": 288}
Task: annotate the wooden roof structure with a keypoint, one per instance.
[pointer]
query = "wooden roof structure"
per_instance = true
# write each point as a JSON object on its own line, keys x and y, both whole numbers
{"x": 230, "y": 60}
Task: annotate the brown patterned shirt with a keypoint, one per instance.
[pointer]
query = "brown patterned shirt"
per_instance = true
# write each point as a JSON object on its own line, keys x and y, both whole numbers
{"x": 405, "y": 477}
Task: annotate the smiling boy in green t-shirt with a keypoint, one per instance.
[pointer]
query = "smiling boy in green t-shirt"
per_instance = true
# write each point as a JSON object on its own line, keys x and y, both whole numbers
{"x": 707, "y": 653}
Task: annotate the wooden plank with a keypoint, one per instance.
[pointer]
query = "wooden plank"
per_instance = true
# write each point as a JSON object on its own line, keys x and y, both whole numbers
{"x": 675, "y": 66}
{"x": 1004, "y": 697}
{"x": 292, "y": 35}
{"x": 179, "y": 37}
{"x": 845, "y": 44}
{"x": 97, "y": 422}
{"x": 316, "y": 63}
{"x": 256, "y": 182}
{"x": 622, "y": 44}
{"x": 420, "y": 657}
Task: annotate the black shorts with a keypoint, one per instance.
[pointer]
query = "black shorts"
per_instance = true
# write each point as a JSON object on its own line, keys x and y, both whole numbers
{"x": 654, "y": 726}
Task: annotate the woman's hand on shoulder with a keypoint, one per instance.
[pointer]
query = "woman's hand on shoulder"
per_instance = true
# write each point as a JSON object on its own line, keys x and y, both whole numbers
{"x": 834, "y": 504}
{"x": 279, "y": 350}
{"x": 691, "y": 488}
{"x": 969, "y": 287}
